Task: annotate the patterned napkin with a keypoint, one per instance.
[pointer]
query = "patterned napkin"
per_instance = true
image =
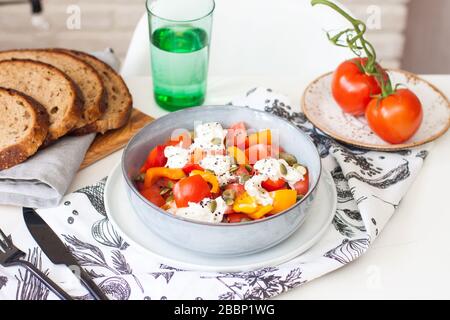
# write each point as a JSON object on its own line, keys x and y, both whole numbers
{"x": 370, "y": 185}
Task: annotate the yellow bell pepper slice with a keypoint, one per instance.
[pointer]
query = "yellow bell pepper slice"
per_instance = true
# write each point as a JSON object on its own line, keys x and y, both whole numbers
{"x": 153, "y": 174}
{"x": 245, "y": 204}
{"x": 238, "y": 154}
{"x": 208, "y": 177}
{"x": 261, "y": 137}
{"x": 283, "y": 199}
{"x": 261, "y": 212}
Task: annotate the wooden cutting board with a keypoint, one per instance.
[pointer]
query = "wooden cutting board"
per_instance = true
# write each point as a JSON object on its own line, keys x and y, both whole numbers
{"x": 111, "y": 141}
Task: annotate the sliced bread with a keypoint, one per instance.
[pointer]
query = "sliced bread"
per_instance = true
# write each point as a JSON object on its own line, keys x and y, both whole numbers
{"x": 119, "y": 102}
{"x": 85, "y": 76}
{"x": 23, "y": 127}
{"x": 50, "y": 87}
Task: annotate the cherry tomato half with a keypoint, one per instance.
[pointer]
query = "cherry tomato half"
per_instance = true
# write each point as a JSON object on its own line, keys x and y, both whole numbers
{"x": 152, "y": 195}
{"x": 271, "y": 185}
{"x": 302, "y": 186}
{"x": 190, "y": 189}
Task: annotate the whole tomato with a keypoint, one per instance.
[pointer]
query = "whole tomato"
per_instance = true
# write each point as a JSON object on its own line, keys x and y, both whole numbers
{"x": 396, "y": 117}
{"x": 190, "y": 189}
{"x": 352, "y": 88}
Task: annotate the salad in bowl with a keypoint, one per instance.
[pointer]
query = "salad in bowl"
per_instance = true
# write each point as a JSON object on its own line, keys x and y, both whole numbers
{"x": 222, "y": 175}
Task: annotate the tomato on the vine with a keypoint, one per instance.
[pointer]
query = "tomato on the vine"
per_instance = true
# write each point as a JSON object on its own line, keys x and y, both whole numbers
{"x": 396, "y": 117}
{"x": 352, "y": 87}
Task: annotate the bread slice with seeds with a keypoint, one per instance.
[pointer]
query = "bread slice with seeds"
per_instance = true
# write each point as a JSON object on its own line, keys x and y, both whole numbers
{"x": 85, "y": 77}
{"x": 23, "y": 127}
{"x": 119, "y": 101}
{"x": 50, "y": 87}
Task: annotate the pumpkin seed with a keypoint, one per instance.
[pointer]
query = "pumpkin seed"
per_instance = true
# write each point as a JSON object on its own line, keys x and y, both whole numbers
{"x": 164, "y": 191}
{"x": 299, "y": 197}
{"x": 169, "y": 198}
{"x": 234, "y": 168}
{"x": 192, "y": 134}
{"x": 229, "y": 202}
{"x": 210, "y": 171}
{"x": 300, "y": 168}
{"x": 245, "y": 178}
{"x": 289, "y": 158}
{"x": 283, "y": 169}
{"x": 140, "y": 177}
{"x": 229, "y": 194}
{"x": 216, "y": 141}
{"x": 170, "y": 184}
{"x": 249, "y": 168}
{"x": 213, "y": 205}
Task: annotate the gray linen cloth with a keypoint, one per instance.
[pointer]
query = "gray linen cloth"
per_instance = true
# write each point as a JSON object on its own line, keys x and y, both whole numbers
{"x": 42, "y": 180}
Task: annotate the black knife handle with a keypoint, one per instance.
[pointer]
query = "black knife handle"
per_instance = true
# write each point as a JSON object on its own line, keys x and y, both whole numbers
{"x": 43, "y": 278}
{"x": 91, "y": 286}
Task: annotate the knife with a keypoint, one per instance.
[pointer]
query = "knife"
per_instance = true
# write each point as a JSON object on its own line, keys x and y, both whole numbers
{"x": 56, "y": 250}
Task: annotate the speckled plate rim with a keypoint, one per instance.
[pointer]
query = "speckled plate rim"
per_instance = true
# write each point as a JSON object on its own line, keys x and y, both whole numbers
{"x": 369, "y": 146}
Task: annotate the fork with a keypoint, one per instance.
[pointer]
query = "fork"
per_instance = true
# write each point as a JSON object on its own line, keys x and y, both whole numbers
{"x": 10, "y": 256}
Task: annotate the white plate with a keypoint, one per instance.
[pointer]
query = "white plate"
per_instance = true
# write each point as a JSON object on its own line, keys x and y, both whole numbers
{"x": 322, "y": 110}
{"x": 127, "y": 222}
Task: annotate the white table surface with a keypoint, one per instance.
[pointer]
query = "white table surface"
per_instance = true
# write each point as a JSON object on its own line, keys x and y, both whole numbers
{"x": 410, "y": 258}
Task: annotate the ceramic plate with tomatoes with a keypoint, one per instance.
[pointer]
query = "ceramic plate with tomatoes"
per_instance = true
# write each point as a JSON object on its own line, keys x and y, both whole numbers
{"x": 321, "y": 108}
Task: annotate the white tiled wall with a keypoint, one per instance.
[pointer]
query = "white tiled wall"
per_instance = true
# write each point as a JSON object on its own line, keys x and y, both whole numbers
{"x": 110, "y": 23}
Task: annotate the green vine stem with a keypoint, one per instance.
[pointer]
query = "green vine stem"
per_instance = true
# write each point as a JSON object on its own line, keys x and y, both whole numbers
{"x": 355, "y": 41}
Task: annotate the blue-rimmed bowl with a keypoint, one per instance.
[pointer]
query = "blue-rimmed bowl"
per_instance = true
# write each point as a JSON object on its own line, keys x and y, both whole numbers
{"x": 223, "y": 238}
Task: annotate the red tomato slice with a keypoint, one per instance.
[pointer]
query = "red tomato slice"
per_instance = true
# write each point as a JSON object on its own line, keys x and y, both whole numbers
{"x": 190, "y": 167}
{"x": 237, "y": 187}
{"x": 261, "y": 151}
{"x": 302, "y": 186}
{"x": 271, "y": 185}
{"x": 190, "y": 189}
{"x": 152, "y": 195}
{"x": 155, "y": 158}
{"x": 237, "y": 135}
{"x": 236, "y": 217}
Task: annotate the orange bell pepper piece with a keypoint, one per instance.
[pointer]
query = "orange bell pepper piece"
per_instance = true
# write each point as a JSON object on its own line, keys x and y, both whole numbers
{"x": 261, "y": 212}
{"x": 245, "y": 204}
{"x": 238, "y": 154}
{"x": 283, "y": 199}
{"x": 154, "y": 174}
{"x": 209, "y": 177}
{"x": 261, "y": 137}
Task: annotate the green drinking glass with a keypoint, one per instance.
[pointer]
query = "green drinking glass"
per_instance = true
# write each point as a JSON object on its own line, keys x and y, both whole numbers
{"x": 180, "y": 36}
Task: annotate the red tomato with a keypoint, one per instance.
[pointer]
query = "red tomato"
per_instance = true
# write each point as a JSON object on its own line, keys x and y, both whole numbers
{"x": 396, "y": 117}
{"x": 185, "y": 138}
{"x": 237, "y": 187}
{"x": 152, "y": 195}
{"x": 352, "y": 88}
{"x": 261, "y": 151}
{"x": 190, "y": 167}
{"x": 271, "y": 185}
{"x": 236, "y": 217}
{"x": 190, "y": 189}
{"x": 302, "y": 186}
{"x": 155, "y": 158}
{"x": 237, "y": 135}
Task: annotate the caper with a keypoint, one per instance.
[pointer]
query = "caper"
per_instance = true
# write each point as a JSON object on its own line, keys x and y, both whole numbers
{"x": 229, "y": 194}
{"x": 289, "y": 158}
{"x": 140, "y": 177}
{"x": 234, "y": 168}
{"x": 216, "y": 141}
{"x": 283, "y": 169}
{"x": 213, "y": 205}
